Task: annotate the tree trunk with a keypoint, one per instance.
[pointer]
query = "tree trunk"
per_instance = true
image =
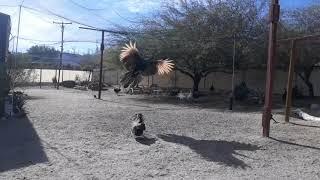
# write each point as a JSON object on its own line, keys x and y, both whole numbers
{"x": 196, "y": 82}
{"x": 306, "y": 79}
{"x": 310, "y": 87}
{"x": 307, "y": 74}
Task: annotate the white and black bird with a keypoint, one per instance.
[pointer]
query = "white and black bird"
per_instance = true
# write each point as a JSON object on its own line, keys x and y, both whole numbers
{"x": 117, "y": 91}
{"x": 138, "y": 125}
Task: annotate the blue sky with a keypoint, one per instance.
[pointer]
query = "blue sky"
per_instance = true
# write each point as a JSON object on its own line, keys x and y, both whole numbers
{"x": 107, "y": 14}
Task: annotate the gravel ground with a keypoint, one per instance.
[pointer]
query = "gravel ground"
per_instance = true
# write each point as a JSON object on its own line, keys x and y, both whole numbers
{"x": 70, "y": 135}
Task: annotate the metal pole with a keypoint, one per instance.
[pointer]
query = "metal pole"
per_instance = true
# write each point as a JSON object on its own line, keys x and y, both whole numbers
{"x": 175, "y": 78}
{"x": 232, "y": 81}
{"x": 101, "y": 64}
{"x": 274, "y": 18}
{"x": 290, "y": 79}
{"x": 18, "y": 33}
{"x": 40, "y": 76}
{"x": 15, "y": 59}
{"x": 61, "y": 51}
{"x": 101, "y": 58}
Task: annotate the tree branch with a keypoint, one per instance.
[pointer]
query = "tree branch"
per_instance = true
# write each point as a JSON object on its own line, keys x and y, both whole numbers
{"x": 301, "y": 76}
{"x": 184, "y": 72}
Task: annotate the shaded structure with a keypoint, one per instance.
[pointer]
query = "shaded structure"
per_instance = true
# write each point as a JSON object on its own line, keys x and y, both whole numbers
{"x": 5, "y": 26}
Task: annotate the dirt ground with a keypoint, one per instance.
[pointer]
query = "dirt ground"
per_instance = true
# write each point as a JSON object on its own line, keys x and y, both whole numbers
{"x": 68, "y": 134}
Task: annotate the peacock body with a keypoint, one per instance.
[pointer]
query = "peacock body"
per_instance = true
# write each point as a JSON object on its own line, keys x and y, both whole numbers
{"x": 137, "y": 67}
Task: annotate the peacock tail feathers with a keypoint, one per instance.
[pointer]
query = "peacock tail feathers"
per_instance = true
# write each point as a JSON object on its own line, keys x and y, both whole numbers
{"x": 129, "y": 50}
{"x": 164, "y": 66}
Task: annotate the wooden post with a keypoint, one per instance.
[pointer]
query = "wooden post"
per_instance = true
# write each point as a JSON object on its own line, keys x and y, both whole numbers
{"x": 151, "y": 80}
{"x": 290, "y": 79}
{"x": 175, "y": 78}
{"x": 274, "y": 18}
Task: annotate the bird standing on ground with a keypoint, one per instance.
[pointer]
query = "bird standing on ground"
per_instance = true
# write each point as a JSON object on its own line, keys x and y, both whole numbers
{"x": 117, "y": 90}
{"x": 138, "y": 125}
{"x": 190, "y": 95}
{"x": 181, "y": 96}
{"x": 138, "y": 67}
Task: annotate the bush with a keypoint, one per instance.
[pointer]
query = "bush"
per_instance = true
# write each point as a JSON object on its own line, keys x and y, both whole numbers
{"x": 84, "y": 83}
{"x": 68, "y": 84}
{"x": 94, "y": 86}
{"x": 19, "y": 102}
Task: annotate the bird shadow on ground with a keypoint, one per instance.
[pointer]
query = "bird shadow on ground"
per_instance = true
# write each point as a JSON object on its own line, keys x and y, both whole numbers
{"x": 219, "y": 151}
{"x": 294, "y": 144}
{"x": 20, "y": 145}
{"x": 146, "y": 140}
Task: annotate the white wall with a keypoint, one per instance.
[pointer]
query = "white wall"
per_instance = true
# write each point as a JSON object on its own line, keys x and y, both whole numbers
{"x": 48, "y": 74}
{"x": 255, "y": 79}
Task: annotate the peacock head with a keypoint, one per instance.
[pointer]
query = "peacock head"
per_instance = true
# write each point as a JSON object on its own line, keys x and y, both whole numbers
{"x": 139, "y": 117}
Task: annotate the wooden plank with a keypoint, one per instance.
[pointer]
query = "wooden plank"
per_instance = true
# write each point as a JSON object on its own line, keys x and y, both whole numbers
{"x": 290, "y": 80}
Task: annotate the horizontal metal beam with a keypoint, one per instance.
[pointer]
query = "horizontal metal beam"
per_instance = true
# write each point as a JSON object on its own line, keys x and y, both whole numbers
{"x": 300, "y": 38}
{"x": 105, "y": 30}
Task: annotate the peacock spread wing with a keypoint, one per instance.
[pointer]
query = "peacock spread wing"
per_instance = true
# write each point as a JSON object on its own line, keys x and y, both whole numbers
{"x": 163, "y": 66}
{"x": 130, "y": 57}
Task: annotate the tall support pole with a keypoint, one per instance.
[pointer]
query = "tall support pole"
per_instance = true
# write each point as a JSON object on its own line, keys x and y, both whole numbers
{"x": 274, "y": 18}
{"x": 232, "y": 81}
{"x": 18, "y": 32}
{"x": 101, "y": 49}
{"x": 101, "y": 64}
{"x": 61, "y": 51}
{"x": 40, "y": 77}
{"x": 290, "y": 79}
{"x": 15, "y": 59}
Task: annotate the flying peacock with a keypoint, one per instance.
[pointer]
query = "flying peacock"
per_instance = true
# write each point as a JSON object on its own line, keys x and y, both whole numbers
{"x": 138, "y": 67}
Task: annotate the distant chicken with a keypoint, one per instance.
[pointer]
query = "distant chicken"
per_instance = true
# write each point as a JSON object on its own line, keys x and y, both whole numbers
{"x": 138, "y": 125}
{"x": 138, "y": 67}
{"x": 183, "y": 96}
{"x": 117, "y": 90}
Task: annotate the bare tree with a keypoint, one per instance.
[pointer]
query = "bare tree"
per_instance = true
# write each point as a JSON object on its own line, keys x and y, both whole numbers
{"x": 199, "y": 36}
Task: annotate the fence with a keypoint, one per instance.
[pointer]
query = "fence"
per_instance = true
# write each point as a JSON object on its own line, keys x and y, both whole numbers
{"x": 46, "y": 75}
{"x": 255, "y": 79}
